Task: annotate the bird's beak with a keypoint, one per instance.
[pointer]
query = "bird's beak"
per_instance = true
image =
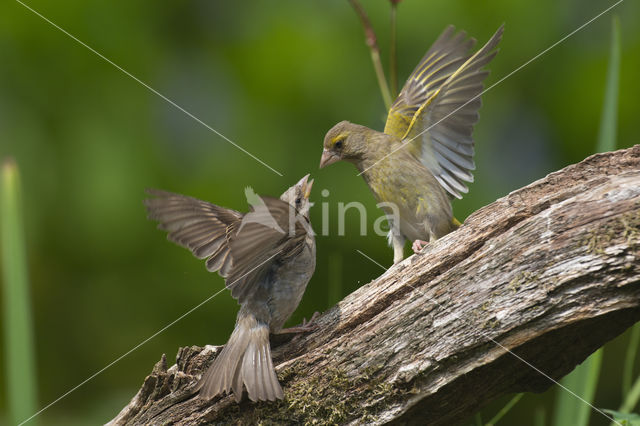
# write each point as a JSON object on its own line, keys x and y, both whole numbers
{"x": 328, "y": 157}
{"x": 307, "y": 189}
{"x": 305, "y": 185}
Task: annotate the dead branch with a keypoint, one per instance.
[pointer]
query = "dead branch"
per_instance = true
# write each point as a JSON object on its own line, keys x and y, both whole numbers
{"x": 534, "y": 282}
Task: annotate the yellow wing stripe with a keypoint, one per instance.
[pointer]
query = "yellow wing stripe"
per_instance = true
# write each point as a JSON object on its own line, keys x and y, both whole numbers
{"x": 455, "y": 74}
{"x": 440, "y": 58}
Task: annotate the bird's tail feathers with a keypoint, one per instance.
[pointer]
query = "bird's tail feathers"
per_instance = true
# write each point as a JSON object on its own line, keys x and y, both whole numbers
{"x": 244, "y": 360}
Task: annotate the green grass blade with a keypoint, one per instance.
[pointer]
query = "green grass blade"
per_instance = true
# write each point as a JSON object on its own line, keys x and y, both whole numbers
{"x": 608, "y": 119}
{"x": 19, "y": 358}
{"x": 540, "y": 417}
{"x": 478, "y": 419}
{"x": 505, "y": 409}
{"x": 570, "y": 410}
{"x": 631, "y": 399}
{"x": 629, "y": 359}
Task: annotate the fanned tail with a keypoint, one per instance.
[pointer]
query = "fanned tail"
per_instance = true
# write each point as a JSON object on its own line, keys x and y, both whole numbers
{"x": 245, "y": 360}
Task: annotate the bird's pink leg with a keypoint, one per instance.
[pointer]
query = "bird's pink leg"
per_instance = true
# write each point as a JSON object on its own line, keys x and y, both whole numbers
{"x": 418, "y": 245}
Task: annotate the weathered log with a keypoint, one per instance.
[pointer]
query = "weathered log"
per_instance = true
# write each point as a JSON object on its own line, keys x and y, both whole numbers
{"x": 525, "y": 290}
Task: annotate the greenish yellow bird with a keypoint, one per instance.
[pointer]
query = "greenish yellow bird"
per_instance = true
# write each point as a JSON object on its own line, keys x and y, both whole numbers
{"x": 424, "y": 157}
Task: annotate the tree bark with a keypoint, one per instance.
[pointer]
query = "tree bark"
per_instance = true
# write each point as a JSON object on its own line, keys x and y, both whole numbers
{"x": 520, "y": 294}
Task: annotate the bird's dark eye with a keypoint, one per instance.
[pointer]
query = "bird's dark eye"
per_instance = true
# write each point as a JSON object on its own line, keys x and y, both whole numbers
{"x": 298, "y": 200}
{"x": 338, "y": 145}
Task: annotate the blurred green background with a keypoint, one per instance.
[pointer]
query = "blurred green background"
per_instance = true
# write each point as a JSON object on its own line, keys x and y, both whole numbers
{"x": 273, "y": 77}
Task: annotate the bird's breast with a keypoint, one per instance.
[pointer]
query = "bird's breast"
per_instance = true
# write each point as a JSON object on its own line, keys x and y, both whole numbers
{"x": 289, "y": 282}
{"x": 410, "y": 193}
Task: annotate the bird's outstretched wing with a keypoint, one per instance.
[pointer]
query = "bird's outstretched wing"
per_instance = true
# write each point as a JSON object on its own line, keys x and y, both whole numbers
{"x": 442, "y": 59}
{"x": 438, "y": 106}
{"x": 271, "y": 233}
{"x": 241, "y": 247}
{"x": 202, "y": 227}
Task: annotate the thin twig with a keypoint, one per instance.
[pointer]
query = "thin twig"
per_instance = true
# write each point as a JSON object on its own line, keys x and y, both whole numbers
{"x": 393, "y": 66}
{"x": 371, "y": 40}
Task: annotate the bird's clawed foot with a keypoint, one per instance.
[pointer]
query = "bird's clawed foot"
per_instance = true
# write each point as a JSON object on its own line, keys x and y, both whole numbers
{"x": 305, "y": 327}
{"x": 418, "y": 245}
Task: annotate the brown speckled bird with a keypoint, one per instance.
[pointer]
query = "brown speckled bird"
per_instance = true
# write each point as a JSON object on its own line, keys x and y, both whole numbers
{"x": 267, "y": 256}
{"x": 425, "y": 154}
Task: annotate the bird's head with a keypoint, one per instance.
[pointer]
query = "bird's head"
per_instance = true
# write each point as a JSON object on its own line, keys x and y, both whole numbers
{"x": 345, "y": 141}
{"x": 298, "y": 196}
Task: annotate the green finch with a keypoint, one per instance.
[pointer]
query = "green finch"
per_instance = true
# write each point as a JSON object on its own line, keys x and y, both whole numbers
{"x": 424, "y": 157}
{"x": 267, "y": 256}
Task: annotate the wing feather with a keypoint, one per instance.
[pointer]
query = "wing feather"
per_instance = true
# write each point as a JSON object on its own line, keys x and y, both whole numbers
{"x": 201, "y": 227}
{"x": 460, "y": 165}
{"x": 258, "y": 245}
{"x": 442, "y": 127}
{"x": 451, "y": 184}
{"x": 242, "y": 248}
{"x": 444, "y": 57}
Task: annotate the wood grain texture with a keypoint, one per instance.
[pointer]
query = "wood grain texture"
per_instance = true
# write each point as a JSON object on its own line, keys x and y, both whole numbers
{"x": 525, "y": 290}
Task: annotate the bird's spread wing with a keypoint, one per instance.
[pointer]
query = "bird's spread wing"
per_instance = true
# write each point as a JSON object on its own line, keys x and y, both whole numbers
{"x": 242, "y": 248}
{"x": 438, "y": 107}
{"x": 443, "y": 58}
{"x": 269, "y": 234}
{"x": 202, "y": 227}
